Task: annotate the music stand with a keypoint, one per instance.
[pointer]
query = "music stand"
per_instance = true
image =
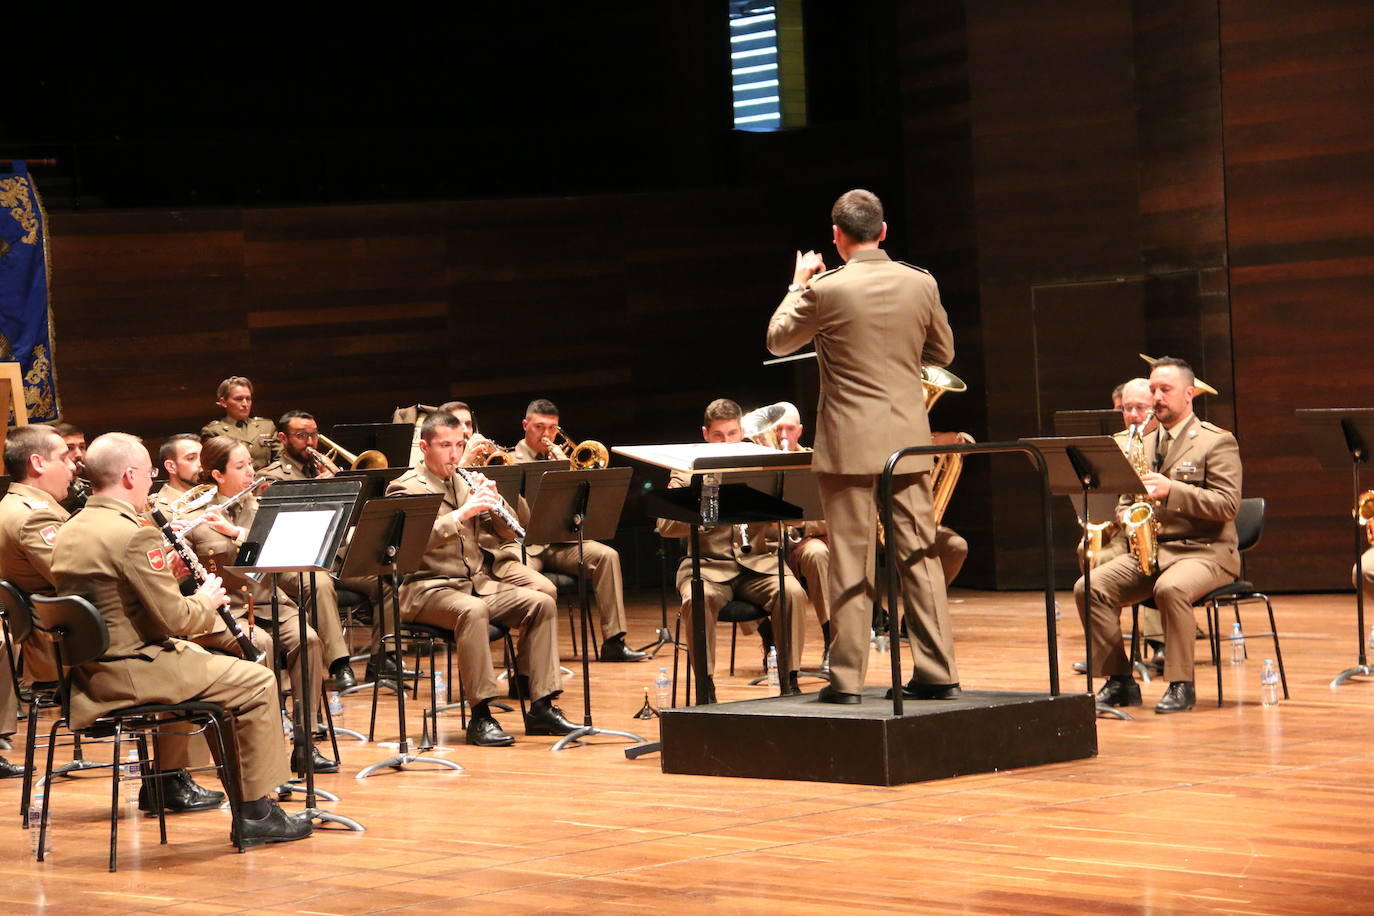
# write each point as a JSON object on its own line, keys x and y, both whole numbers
{"x": 1085, "y": 466}
{"x": 1338, "y": 436}
{"x": 572, "y": 506}
{"x": 299, "y": 529}
{"x": 390, "y": 539}
{"x": 1087, "y": 422}
{"x": 391, "y": 439}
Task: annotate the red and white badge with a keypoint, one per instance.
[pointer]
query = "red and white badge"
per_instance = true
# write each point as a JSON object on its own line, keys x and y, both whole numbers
{"x": 48, "y": 534}
{"x": 157, "y": 559}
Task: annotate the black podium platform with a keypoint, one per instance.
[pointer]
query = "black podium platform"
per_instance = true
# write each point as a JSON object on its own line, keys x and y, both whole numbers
{"x": 798, "y": 737}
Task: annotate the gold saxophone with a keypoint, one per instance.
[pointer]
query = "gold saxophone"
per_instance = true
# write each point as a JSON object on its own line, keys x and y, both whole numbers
{"x": 1364, "y": 514}
{"x": 1142, "y": 515}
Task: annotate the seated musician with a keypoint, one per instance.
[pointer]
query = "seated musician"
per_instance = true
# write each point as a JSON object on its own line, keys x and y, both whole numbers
{"x": 119, "y": 564}
{"x": 75, "y": 440}
{"x": 471, "y": 575}
{"x": 736, "y": 561}
{"x": 602, "y": 561}
{"x": 180, "y": 457}
{"x": 1195, "y": 488}
{"x": 235, "y": 395}
{"x": 40, "y": 468}
{"x": 216, "y": 539}
{"x": 300, "y": 459}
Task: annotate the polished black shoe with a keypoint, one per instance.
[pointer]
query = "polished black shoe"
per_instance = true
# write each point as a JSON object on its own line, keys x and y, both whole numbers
{"x": 383, "y": 669}
{"x": 179, "y": 794}
{"x": 520, "y": 680}
{"x": 322, "y": 763}
{"x": 1119, "y": 693}
{"x": 10, "y": 770}
{"x": 344, "y": 679}
{"x": 793, "y": 684}
{"x": 484, "y": 731}
{"x": 615, "y": 650}
{"x": 829, "y": 694}
{"x": 276, "y": 827}
{"x": 547, "y": 719}
{"x": 1180, "y": 697}
{"x": 914, "y": 691}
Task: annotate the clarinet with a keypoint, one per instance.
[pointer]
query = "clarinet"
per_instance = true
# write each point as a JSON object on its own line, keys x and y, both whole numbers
{"x": 199, "y": 573}
{"x": 501, "y": 511}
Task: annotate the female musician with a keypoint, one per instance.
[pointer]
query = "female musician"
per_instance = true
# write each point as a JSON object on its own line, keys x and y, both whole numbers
{"x": 235, "y": 395}
{"x": 216, "y": 539}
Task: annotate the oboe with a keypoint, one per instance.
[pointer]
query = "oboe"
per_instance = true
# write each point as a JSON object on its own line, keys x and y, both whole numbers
{"x": 199, "y": 573}
{"x": 501, "y": 511}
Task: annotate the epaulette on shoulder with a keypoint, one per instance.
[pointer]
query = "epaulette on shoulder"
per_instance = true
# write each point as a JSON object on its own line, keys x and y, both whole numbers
{"x": 913, "y": 266}
{"x": 833, "y": 270}
{"x": 35, "y": 504}
{"x": 1207, "y": 424}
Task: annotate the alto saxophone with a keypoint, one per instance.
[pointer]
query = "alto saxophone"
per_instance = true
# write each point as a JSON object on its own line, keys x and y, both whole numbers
{"x": 1142, "y": 516}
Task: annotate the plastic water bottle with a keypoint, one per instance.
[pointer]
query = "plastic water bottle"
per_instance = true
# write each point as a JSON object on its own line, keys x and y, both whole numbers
{"x": 440, "y": 685}
{"x": 1237, "y": 644}
{"x": 710, "y": 499}
{"x": 1269, "y": 684}
{"x": 287, "y": 726}
{"x": 663, "y": 689}
{"x": 335, "y": 704}
{"x": 773, "y": 667}
{"x": 1371, "y": 636}
{"x": 130, "y": 783}
{"x": 35, "y": 822}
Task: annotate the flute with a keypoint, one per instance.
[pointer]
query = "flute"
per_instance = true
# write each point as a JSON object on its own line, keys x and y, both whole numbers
{"x": 260, "y": 482}
{"x": 501, "y": 511}
{"x": 200, "y": 574}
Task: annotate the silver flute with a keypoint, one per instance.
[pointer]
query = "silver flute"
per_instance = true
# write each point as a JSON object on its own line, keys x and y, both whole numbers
{"x": 501, "y": 511}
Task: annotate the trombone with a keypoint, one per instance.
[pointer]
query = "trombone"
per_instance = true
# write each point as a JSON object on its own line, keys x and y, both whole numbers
{"x": 481, "y": 452}
{"x": 587, "y": 455}
{"x": 368, "y": 459}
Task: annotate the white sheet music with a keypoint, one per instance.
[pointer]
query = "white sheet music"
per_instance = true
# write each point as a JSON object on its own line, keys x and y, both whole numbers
{"x": 296, "y": 538}
{"x": 694, "y": 457}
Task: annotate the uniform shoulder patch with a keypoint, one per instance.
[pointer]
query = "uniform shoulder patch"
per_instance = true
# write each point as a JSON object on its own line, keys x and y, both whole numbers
{"x": 913, "y": 266}
{"x": 1210, "y": 426}
{"x": 35, "y": 504}
{"x": 157, "y": 559}
{"x": 48, "y": 534}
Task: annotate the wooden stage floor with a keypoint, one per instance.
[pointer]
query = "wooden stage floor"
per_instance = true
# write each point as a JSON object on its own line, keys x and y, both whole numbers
{"x": 1240, "y": 809}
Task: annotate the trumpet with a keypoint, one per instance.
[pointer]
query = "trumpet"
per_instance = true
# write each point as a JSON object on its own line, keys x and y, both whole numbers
{"x": 481, "y": 452}
{"x": 368, "y": 459}
{"x": 1364, "y": 514}
{"x": 587, "y": 455}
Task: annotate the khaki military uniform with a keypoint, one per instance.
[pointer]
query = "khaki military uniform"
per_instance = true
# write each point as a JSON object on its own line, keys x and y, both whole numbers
{"x": 729, "y": 571}
{"x": 216, "y": 553}
{"x": 29, "y": 522}
{"x": 471, "y": 574}
{"x": 258, "y": 433}
{"x": 603, "y": 563}
{"x": 874, "y": 322}
{"x": 109, "y": 556}
{"x": 1197, "y": 549}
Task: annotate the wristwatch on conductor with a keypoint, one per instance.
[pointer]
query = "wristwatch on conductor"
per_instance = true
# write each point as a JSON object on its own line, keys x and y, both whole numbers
{"x": 795, "y": 287}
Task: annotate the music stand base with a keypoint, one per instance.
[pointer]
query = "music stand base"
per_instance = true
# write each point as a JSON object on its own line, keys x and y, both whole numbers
{"x": 662, "y": 638}
{"x": 1348, "y": 673}
{"x": 1113, "y": 712}
{"x": 367, "y": 685}
{"x": 329, "y": 817}
{"x": 587, "y": 731}
{"x": 398, "y": 761}
{"x": 75, "y": 766}
{"x": 297, "y": 783}
{"x": 349, "y": 733}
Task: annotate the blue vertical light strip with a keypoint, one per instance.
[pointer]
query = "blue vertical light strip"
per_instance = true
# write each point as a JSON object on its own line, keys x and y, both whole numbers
{"x": 754, "y": 66}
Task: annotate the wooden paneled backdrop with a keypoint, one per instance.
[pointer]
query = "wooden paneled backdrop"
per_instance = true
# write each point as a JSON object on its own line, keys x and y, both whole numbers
{"x": 1087, "y": 181}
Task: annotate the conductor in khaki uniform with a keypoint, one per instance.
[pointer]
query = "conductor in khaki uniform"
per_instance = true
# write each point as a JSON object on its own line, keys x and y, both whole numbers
{"x": 235, "y": 395}
{"x": 471, "y": 575}
{"x": 1196, "y": 489}
{"x": 109, "y": 556}
{"x": 874, "y": 321}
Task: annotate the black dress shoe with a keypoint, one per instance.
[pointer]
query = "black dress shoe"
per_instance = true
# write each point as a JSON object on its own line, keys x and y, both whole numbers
{"x": 914, "y": 691}
{"x": 829, "y": 694}
{"x": 179, "y": 794}
{"x": 484, "y": 731}
{"x": 793, "y": 684}
{"x": 344, "y": 679}
{"x": 322, "y": 763}
{"x": 10, "y": 770}
{"x": 1119, "y": 693}
{"x": 547, "y": 719}
{"x": 1180, "y": 697}
{"x": 615, "y": 650}
{"x": 276, "y": 827}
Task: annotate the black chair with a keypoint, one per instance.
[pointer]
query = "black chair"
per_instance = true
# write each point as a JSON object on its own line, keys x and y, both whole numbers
{"x": 571, "y": 599}
{"x": 79, "y": 636}
{"x": 1249, "y": 529}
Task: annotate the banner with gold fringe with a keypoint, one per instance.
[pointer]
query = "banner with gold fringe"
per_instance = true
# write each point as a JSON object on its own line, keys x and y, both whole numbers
{"x": 26, "y": 333}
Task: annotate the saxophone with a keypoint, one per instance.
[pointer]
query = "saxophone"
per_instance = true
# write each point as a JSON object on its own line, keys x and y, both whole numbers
{"x": 1142, "y": 516}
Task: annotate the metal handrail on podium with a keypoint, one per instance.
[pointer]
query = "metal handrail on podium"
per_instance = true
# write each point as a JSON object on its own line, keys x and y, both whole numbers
{"x": 1047, "y": 538}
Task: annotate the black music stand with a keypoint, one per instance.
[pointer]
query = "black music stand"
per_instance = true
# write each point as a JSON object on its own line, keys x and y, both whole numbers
{"x": 1085, "y": 466}
{"x": 1087, "y": 422}
{"x": 390, "y": 539}
{"x": 391, "y": 439}
{"x": 299, "y": 529}
{"x": 573, "y": 506}
{"x": 1339, "y": 436}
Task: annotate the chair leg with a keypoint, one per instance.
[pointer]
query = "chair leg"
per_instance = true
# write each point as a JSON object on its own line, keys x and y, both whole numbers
{"x": 229, "y": 778}
{"x": 734, "y": 632}
{"x": 27, "y": 792}
{"x": 572, "y": 631}
{"x": 114, "y": 793}
{"x": 513, "y": 676}
{"x": 1214, "y": 628}
{"x": 150, "y": 768}
{"x": 1278, "y": 653}
{"x": 1245, "y": 648}
{"x": 1135, "y": 634}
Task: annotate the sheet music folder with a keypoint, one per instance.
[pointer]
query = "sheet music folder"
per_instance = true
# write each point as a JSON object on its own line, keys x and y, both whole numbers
{"x": 298, "y": 526}
{"x": 704, "y": 457}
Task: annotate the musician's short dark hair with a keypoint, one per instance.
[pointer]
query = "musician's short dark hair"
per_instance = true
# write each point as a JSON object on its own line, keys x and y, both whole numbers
{"x": 67, "y": 429}
{"x": 454, "y": 406}
{"x": 22, "y": 443}
{"x": 542, "y": 406}
{"x": 1184, "y": 369}
{"x": 168, "y": 450}
{"x": 721, "y": 409}
{"x": 859, "y": 214}
{"x": 284, "y": 424}
{"x": 233, "y": 381}
{"x": 436, "y": 421}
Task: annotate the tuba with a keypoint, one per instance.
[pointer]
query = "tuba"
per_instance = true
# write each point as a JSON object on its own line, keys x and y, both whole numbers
{"x": 936, "y": 382}
{"x": 335, "y": 453}
{"x": 761, "y": 425}
{"x": 1142, "y": 516}
{"x": 1364, "y": 514}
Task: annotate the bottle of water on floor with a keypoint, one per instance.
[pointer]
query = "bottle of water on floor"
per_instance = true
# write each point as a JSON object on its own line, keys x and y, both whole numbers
{"x": 1237, "y": 644}
{"x": 336, "y": 707}
{"x": 663, "y": 689}
{"x": 773, "y": 667}
{"x": 1269, "y": 684}
{"x": 35, "y": 821}
{"x": 129, "y": 784}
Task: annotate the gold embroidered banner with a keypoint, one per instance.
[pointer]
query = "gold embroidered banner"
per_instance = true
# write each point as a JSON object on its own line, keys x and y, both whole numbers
{"x": 25, "y": 314}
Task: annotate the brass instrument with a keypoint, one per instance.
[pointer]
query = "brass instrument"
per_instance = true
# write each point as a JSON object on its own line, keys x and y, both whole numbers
{"x": 1364, "y": 514}
{"x": 587, "y": 455}
{"x": 1142, "y": 516}
{"x": 368, "y": 459}
{"x": 761, "y": 425}
{"x": 191, "y": 500}
{"x": 945, "y": 475}
{"x": 321, "y": 459}
{"x": 251, "y": 488}
{"x": 481, "y": 452}
{"x": 1198, "y": 383}
{"x": 936, "y": 381}
{"x": 1097, "y": 535}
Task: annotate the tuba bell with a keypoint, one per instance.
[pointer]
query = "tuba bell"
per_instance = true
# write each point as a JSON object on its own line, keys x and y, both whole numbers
{"x": 761, "y": 425}
{"x": 334, "y": 453}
